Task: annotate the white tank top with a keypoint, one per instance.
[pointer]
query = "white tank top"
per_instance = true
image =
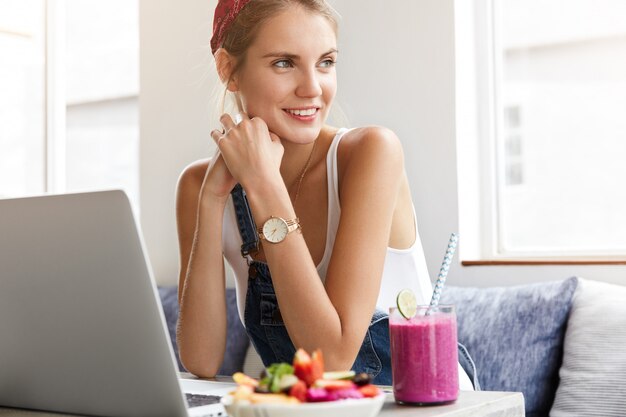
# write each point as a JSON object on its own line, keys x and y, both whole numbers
{"x": 404, "y": 268}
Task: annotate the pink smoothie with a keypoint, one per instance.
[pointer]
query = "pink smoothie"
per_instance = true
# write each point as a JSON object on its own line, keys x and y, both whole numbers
{"x": 424, "y": 358}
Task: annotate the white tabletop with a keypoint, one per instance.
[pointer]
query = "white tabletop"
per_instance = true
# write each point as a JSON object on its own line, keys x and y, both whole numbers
{"x": 469, "y": 404}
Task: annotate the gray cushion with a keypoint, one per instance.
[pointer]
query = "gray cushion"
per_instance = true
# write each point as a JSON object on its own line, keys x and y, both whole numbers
{"x": 515, "y": 336}
{"x": 593, "y": 374}
{"x": 236, "y": 341}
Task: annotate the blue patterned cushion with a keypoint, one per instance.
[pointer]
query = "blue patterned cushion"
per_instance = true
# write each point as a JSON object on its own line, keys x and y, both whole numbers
{"x": 236, "y": 341}
{"x": 515, "y": 336}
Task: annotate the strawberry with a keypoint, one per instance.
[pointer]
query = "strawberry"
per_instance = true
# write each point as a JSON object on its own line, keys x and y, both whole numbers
{"x": 302, "y": 365}
{"x": 317, "y": 365}
{"x": 298, "y": 390}
{"x": 308, "y": 368}
{"x": 369, "y": 390}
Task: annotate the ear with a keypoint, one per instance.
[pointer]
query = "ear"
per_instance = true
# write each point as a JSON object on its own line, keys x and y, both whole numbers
{"x": 225, "y": 64}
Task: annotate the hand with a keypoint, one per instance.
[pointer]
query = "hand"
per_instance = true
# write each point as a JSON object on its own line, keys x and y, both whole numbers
{"x": 251, "y": 152}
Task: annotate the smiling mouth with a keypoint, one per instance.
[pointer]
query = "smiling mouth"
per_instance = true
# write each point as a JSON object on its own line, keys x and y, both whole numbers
{"x": 302, "y": 112}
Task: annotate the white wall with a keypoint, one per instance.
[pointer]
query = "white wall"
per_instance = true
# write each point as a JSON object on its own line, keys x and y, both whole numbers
{"x": 174, "y": 120}
{"x": 396, "y": 68}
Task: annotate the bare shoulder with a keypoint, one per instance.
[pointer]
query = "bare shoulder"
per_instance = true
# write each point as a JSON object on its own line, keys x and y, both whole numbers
{"x": 193, "y": 175}
{"x": 370, "y": 145}
{"x": 379, "y": 135}
{"x": 190, "y": 182}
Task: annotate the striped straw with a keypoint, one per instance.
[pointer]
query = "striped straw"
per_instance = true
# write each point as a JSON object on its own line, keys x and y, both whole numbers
{"x": 443, "y": 271}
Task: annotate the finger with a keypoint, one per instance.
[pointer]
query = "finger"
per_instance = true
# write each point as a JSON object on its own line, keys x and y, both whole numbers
{"x": 227, "y": 121}
{"x": 217, "y": 136}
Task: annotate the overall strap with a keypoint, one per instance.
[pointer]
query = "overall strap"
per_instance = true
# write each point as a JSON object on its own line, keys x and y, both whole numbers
{"x": 245, "y": 222}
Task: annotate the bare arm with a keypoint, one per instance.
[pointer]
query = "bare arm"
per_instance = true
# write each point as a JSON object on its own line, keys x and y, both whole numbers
{"x": 201, "y": 331}
{"x": 334, "y": 316}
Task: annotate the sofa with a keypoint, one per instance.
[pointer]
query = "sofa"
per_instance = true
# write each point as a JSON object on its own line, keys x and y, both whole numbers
{"x": 561, "y": 343}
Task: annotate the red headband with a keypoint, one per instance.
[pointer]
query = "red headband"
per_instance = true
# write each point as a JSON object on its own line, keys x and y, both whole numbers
{"x": 225, "y": 12}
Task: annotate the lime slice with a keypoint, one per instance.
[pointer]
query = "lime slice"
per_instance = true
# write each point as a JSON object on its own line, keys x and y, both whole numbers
{"x": 407, "y": 303}
{"x": 336, "y": 375}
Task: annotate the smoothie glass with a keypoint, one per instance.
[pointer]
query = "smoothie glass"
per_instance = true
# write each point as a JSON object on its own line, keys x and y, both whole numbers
{"x": 424, "y": 356}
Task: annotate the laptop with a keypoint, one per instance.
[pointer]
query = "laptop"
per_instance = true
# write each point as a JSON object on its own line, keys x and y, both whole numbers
{"x": 81, "y": 326}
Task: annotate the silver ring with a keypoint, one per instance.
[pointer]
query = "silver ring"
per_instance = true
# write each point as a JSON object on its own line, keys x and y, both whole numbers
{"x": 238, "y": 118}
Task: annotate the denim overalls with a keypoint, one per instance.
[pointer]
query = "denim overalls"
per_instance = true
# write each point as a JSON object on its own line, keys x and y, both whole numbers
{"x": 264, "y": 323}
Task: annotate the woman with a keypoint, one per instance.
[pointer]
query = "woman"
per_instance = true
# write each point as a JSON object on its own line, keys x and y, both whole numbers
{"x": 326, "y": 211}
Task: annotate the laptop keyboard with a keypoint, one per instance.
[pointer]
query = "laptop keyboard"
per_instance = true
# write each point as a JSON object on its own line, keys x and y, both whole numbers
{"x": 197, "y": 400}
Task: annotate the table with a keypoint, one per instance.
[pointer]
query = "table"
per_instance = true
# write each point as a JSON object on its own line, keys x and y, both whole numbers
{"x": 469, "y": 404}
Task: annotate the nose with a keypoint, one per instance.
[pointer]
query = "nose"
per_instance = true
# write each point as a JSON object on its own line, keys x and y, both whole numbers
{"x": 309, "y": 84}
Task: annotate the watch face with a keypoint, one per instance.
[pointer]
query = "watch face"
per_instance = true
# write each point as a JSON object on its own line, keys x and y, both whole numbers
{"x": 275, "y": 229}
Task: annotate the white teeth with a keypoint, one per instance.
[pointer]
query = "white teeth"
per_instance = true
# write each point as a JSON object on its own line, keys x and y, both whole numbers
{"x": 307, "y": 112}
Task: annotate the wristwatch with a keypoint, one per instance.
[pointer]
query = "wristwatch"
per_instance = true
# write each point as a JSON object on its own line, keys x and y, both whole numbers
{"x": 275, "y": 229}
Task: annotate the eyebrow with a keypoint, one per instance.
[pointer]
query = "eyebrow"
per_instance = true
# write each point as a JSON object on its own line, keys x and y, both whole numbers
{"x": 294, "y": 56}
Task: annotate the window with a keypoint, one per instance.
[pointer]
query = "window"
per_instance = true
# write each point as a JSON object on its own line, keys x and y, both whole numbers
{"x": 69, "y": 108}
{"x": 551, "y": 131}
{"x": 22, "y": 101}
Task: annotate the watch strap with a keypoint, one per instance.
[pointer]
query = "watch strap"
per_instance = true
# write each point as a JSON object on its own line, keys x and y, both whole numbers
{"x": 245, "y": 222}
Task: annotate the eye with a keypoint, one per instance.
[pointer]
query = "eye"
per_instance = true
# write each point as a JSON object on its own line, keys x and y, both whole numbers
{"x": 283, "y": 63}
{"x": 328, "y": 63}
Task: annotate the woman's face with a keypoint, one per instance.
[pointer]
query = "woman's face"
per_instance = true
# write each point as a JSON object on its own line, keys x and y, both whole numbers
{"x": 289, "y": 78}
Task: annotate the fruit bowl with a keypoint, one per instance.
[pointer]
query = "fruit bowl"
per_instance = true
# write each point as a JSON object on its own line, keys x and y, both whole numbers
{"x": 363, "y": 407}
{"x": 303, "y": 389}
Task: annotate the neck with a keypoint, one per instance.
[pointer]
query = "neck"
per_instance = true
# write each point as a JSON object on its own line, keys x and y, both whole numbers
{"x": 296, "y": 156}
{"x": 294, "y": 160}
